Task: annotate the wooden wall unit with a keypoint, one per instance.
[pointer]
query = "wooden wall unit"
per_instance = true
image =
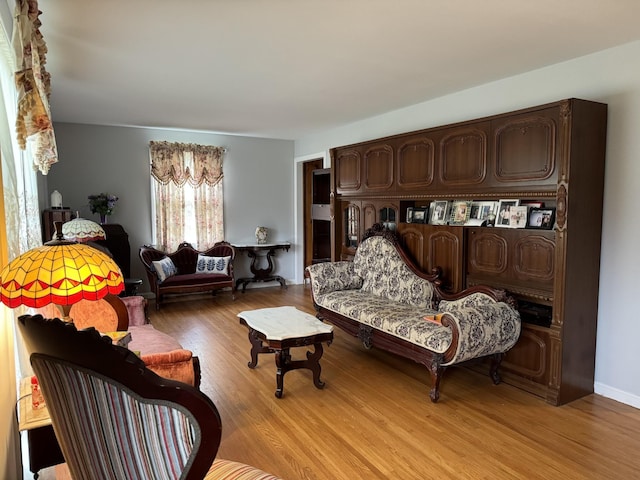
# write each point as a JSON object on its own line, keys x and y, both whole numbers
{"x": 552, "y": 153}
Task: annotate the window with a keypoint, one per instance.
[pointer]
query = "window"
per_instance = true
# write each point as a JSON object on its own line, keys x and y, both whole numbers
{"x": 186, "y": 194}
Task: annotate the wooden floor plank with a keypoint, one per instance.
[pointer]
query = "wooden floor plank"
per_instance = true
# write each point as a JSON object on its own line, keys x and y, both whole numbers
{"x": 374, "y": 418}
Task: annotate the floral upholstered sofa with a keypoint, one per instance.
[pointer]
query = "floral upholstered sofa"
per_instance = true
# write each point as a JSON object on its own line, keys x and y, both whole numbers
{"x": 382, "y": 298}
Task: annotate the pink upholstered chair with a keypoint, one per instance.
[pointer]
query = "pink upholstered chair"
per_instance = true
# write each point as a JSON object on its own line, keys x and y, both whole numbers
{"x": 114, "y": 418}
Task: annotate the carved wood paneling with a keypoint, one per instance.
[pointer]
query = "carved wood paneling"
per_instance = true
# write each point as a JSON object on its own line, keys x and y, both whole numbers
{"x": 529, "y": 357}
{"x": 413, "y": 242}
{"x": 487, "y": 252}
{"x": 444, "y": 250}
{"x": 534, "y": 258}
{"x": 415, "y": 164}
{"x": 525, "y": 149}
{"x": 378, "y": 168}
{"x": 463, "y": 157}
{"x": 347, "y": 170}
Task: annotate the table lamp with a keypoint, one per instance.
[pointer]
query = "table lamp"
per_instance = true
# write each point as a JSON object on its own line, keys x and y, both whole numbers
{"x": 82, "y": 230}
{"x": 61, "y": 272}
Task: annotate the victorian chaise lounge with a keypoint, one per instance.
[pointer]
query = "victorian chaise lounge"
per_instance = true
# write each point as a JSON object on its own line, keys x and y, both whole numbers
{"x": 382, "y": 298}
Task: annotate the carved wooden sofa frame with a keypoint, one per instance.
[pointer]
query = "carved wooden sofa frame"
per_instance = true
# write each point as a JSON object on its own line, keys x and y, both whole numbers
{"x": 186, "y": 280}
{"x": 477, "y": 322}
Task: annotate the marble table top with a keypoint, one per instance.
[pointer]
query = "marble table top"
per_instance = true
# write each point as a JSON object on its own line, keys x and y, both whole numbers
{"x": 280, "y": 323}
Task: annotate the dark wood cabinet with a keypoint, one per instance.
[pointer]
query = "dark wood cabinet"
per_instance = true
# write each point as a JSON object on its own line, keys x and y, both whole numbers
{"x": 553, "y": 154}
{"x": 52, "y": 215}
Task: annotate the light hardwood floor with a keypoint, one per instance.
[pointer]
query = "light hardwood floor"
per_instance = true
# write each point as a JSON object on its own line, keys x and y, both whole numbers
{"x": 374, "y": 419}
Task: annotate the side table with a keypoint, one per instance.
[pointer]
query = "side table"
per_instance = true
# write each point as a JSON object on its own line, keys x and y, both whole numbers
{"x": 44, "y": 450}
{"x": 254, "y": 251}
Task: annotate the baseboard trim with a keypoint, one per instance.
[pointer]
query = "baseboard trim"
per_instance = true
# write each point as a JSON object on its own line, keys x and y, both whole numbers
{"x": 617, "y": 394}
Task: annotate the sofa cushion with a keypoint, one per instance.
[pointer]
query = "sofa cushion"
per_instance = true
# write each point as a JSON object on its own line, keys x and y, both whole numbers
{"x": 146, "y": 339}
{"x": 385, "y": 274}
{"x": 164, "y": 268}
{"x": 207, "y": 264}
{"x": 195, "y": 279}
{"x": 396, "y": 318}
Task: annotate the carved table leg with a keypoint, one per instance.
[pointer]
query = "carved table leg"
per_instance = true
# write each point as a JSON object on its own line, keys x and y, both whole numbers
{"x": 256, "y": 348}
{"x": 284, "y": 364}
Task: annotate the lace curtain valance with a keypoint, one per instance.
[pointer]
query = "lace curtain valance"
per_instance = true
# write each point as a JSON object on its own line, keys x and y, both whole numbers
{"x": 34, "y": 86}
{"x": 185, "y": 162}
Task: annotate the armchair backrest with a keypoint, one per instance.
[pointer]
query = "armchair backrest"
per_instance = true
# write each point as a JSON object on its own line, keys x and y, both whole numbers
{"x": 113, "y": 417}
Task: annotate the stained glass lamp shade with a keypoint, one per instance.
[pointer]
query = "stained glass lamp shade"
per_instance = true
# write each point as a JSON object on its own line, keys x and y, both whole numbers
{"x": 59, "y": 272}
{"x": 82, "y": 230}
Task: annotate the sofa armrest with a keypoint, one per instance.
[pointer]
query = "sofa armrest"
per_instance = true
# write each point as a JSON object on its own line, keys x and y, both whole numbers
{"x": 333, "y": 276}
{"x": 480, "y": 325}
{"x": 178, "y": 365}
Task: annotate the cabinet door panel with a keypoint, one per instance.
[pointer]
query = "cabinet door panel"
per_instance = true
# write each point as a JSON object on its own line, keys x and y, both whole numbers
{"x": 525, "y": 147}
{"x": 415, "y": 164}
{"x": 347, "y": 170}
{"x": 413, "y": 242}
{"x": 444, "y": 250}
{"x": 534, "y": 258}
{"x": 488, "y": 252}
{"x": 378, "y": 168}
{"x": 529, "y": 357}
{"x": 463, "y": 157}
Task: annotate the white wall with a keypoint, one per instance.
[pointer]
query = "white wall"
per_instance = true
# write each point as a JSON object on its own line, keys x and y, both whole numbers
{"x": 613, "y": 77}
{"x": 257, "y": 184}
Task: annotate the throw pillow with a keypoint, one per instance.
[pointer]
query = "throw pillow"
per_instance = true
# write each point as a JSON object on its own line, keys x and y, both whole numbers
{"x": 213, "y": 264}
{"x": 164, "y": 268}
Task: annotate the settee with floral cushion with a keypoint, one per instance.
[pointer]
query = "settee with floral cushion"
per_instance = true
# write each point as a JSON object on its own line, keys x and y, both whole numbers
{"x": 188, "y": 270}
{"x": 382, "y": 298}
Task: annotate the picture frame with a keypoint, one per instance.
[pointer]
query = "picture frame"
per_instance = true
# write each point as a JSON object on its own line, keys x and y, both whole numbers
{"x": 542, "y": 218}
{"x": 518, "y": 216}
{"x": 483, "y": 210}
{"x": 460, "y": 212}
{"x": 502, "y": 215}
{"x": 419, "y": 215}
{"x": 409, "y": 218}
{"x": 439, "y": 212}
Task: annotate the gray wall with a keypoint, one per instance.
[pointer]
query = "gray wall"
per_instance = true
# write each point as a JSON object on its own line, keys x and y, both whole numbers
{"x": 258, "y": 183}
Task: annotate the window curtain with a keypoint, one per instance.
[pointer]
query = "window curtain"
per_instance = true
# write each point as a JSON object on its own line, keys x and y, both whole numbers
{"x": 19, "y": 232}
{"x": 34, "y": 86}
{"x": 188, "y": 196}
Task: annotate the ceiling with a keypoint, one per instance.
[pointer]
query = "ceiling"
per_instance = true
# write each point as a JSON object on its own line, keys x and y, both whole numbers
{"x": 289, "y": 68}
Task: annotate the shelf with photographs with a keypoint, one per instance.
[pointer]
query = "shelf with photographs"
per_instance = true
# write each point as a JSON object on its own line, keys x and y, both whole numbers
{"x": 504, "y": 213}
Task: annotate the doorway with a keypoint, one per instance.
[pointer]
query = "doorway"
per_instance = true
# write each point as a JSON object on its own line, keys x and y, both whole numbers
{"x": 307, "y": 170}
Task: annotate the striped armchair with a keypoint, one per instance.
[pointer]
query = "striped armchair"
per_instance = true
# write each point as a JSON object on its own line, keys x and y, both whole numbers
{"x": 114, "y": 418}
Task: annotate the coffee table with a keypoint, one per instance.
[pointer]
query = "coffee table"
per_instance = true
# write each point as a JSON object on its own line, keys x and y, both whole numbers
{"x": 276, "y": 330}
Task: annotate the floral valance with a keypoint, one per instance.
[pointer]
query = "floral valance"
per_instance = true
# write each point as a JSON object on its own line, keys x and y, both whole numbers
{"x": 34, "y": 86}
{"x": 186, "y": 162}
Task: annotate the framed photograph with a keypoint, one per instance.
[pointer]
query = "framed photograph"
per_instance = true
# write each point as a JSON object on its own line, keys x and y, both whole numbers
{"x": 419, "y": 215}
{"x": 410, "y": 215}
{"x": 439, "y": 212}
{"x": 460, "y": 211}
{"x": 518, "y": 216}
{"x": 483, "y": 210}
{"x": 503, "y": 214}
{"x": 542, "y": 218}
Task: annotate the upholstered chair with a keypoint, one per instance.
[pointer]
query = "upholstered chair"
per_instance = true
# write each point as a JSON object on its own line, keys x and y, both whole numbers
{"x": 114, "y": 418}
